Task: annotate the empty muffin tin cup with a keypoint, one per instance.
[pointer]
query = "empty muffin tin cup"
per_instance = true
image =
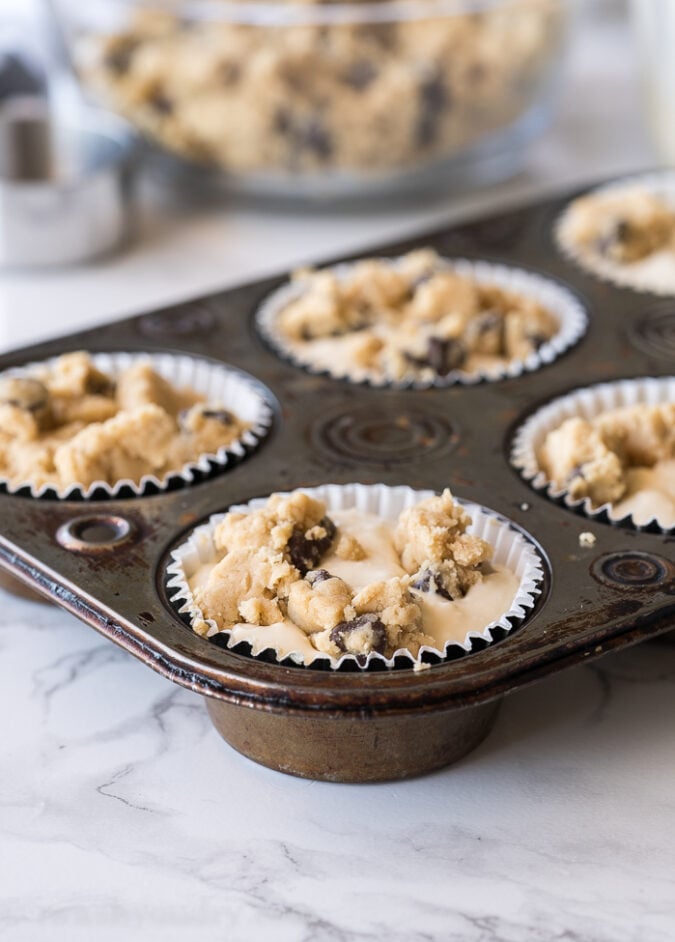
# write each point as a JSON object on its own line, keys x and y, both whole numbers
{"x": 229, "y": 388}
{"x": 65, "y": 186}
{"x": 587, "y": 403}
{"x": 656, "y": 273}
{"x": 562, "y": 303}
{"x": 512, "y": 550}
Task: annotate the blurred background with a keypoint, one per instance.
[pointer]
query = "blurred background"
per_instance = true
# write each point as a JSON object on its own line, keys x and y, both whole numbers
{"x": 262, "y": 136}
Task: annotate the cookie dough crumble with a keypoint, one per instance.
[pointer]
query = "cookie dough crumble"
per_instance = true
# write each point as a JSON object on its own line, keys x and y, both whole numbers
{"x": 624, "y": 457}
{"x": 413, "y": 319}
{"x": 70, "y": 423}
{"x": 623, "y": 227}
{"x": 305, "y": 581}
{"x": 625, "y": 234}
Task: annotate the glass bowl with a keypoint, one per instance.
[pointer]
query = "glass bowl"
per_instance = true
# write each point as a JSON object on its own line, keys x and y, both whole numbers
{"x": 315, "y": 98}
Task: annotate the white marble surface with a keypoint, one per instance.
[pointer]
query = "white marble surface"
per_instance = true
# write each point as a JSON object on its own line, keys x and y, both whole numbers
{"x": 123, "y": 816}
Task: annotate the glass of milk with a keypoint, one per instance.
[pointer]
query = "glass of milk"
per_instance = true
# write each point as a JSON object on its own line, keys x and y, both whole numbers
{"x": 654, "y": 26}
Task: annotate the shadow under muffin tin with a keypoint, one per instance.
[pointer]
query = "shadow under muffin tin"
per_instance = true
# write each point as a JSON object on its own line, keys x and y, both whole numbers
{"x": 106, "y": 562}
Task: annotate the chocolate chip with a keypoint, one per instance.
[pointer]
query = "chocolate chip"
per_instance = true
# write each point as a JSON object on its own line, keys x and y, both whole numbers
{"x": 98, "y": 384}
{"x": 305, "y": 553}
{"x": 434, "y": 100}
{"x": 370, "y": 623}
{"x": 488, "y": 321}
{"x": 382, "y": 34}
{"x": 620, "y": 232}
{"x": 219, "y": 415}
{"x": 161, "y": 103}
{"x": 119, "y": 58}
{"x": 28, "y": 394}
{"x": 417, "y": 282}
{"x": 282, "y": 121}
{"x": 306, "y": 134}
{"x": 429, "y": 580}
{"x": 445, "y": 355}
{"x": 313, "y": 137}
{"x": 315, "y": 576}
{"x": 230, "y": 73}
{"x": 360, "y": 74}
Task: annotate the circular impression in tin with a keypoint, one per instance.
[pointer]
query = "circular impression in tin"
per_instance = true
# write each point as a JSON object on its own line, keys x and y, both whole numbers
{"x": 382, "y": 437}
{"x": 654, "y": 333}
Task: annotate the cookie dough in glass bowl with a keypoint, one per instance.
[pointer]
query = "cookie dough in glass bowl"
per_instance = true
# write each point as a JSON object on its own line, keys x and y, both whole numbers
{"x": 312, "y": 97}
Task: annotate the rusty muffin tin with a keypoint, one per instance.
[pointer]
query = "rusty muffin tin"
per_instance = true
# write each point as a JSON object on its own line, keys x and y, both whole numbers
{"x": 106, "y": 561}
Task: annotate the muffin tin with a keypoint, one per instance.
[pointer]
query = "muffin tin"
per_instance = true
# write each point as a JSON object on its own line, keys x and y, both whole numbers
{"x": 105, "y": 561}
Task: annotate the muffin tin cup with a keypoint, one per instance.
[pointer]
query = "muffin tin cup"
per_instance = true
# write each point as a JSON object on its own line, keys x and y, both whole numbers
{"x": 586, "y": 403}
{"x": 220, "y": 384}
{"x": 565, "y": 306}
{"x": 642, "y": 277}
{"x": 511, "y": 550}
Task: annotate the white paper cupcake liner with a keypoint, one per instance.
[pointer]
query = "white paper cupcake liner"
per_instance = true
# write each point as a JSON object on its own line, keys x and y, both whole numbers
{"x": 511, "y": 550}
{"x": 564, "y": 305}
{"x": 220, "y": 384}
{"x": 587, "y": 403}
{"x": 647, "y": 276}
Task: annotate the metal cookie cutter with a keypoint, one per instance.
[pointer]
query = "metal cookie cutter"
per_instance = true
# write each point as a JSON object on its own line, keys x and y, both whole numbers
{"x": 65, "y": 185}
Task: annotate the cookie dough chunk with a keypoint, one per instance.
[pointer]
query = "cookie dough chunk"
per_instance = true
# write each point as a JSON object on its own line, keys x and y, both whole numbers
{"x": 575, "y": 457}
{"x": 384, "y": 617}
{"x": 123, "y": 448}
{"x": 204, "y": 429}
{"x": 245, "y": 585}
{"x": 265, "y": 554}
{"x": 640, "y": 435}
{"x": 319, "y": 601}
{"x": 296, "y": 526}
{"x": 412, "y": 318}
{"x": 24, "y": 408}
{"x": 140, "y": 385}
{"x": 436, "y": 550}
{"x": 74, "y": 375}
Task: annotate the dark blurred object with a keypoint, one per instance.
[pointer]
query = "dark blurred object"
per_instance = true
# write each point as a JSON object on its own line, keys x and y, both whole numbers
{"x": 19, "y": 76}
{"x": 25, "y": 146}
{"x": 25, "y": 138}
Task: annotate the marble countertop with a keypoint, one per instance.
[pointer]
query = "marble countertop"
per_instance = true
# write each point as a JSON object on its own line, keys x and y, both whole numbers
{"x": 124, "y": 816}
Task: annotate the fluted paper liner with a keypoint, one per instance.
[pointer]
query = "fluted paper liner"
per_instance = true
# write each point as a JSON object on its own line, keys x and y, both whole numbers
{"x": 586, "y": 403}
{"x": 645, "y": 276}
{"x": 564, "y": 305}
{"x": 220, "y": 384}
{"x": 511, "y": 550}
